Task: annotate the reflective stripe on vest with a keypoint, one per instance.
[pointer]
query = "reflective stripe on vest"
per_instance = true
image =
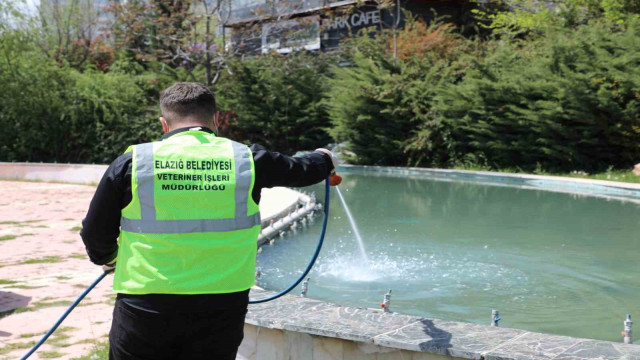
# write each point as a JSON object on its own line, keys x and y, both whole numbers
{"x": 148, "y": 224}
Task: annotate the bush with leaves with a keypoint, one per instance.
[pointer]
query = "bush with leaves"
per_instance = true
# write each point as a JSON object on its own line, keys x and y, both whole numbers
{"x": 569, "y": 101}
{"x": 381, "y": 108}
{"x": 277, "y": 100}
{"x": 52, "y": 113}
{"x": 532, "y": 17}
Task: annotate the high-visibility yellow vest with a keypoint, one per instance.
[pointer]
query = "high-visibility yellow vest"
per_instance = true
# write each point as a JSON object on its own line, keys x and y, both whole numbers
{"x": 192, "y": 224}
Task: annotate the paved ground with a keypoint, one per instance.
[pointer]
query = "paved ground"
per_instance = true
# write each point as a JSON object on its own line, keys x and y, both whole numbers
{"x": 44, "y": 267}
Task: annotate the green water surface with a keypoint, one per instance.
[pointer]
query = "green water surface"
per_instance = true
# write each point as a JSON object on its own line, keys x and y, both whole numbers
{"x": 550, "y": 262}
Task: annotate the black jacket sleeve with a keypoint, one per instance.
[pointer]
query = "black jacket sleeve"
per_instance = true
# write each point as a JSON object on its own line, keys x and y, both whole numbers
{"x": 276, "y": 169}
{"x": 101, "y": 226}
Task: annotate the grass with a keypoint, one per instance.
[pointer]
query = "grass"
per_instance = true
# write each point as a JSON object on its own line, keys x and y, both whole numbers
{"x": 611, "y": 174}
{"x": 48, "y": 259}
{"x": 26, "y": 287}
{"x": 16, "y": 346}
{"x": 50, "y": 354}
{"x": 100, "y": 352}
{"x": 76, "y": 228}
{"x": 18, "y": 286}
{"x": 63, "y": 278}
{"x": 78, "y": 256}
{"x": 11, "y": 237}
{"x": 60, "y": 337}
{"x": 18, "y": 222}
{"x": 111, "y": 300}
{"x": 35, "y": 306}
{"x": 28, "y": 335}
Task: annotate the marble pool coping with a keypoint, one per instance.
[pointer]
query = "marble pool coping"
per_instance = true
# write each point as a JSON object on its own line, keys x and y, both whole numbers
{"x": 426, "y": 335}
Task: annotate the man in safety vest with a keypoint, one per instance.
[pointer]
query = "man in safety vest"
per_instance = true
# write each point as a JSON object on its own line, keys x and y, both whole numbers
{"x": 180, "y": 219}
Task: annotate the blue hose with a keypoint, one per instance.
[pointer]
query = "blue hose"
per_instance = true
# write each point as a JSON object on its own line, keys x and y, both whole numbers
{"x": 257, "y": 301}
{"x": 315, "y": 254}
{"x": 64, "y": 316}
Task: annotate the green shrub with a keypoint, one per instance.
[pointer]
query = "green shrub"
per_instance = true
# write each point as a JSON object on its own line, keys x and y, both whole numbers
{"x": 570, "y": 101}
{"x": 52, "y": 113}
{"x": 382, "y": 109}
{"x": 277, "y": 100}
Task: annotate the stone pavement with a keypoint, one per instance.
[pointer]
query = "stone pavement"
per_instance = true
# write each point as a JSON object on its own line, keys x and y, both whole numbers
{"x": 44, "y": 267}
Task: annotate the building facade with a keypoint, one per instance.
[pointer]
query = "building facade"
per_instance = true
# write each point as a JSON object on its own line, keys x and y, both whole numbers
{"x": 259, "y": 26}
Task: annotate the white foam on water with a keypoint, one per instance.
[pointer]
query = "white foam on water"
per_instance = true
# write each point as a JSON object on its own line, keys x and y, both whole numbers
{"x": 422, "y": 270}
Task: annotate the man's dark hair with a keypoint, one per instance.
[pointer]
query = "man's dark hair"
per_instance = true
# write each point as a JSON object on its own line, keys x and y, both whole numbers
{"x": 187, "y": 100}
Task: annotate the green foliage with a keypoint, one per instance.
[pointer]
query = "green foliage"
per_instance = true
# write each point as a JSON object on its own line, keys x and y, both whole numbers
{"x": 570, "y": 101}
{"x": 154, "y": 31}
{"x": 52, "y": 113}
{"x": 515, "y": 17}
{"x": 376, "y": 104}
{"x": 68, "y": 31}
{"x": 368, "y": 110}
{"x": 100, "y": 352}
{"x": 277, "y": 101}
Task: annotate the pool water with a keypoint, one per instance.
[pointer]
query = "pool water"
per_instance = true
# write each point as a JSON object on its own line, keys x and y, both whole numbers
{"x": 549, "y": 262}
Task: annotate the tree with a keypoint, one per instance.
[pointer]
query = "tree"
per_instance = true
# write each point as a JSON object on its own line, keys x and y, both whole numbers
{"x": 568, "y": 101}
{"x": 277, "y": 100}
{"x": 69, "y": 32}
{"x": 152, "y": 31}
{"x": 518, "y": 17}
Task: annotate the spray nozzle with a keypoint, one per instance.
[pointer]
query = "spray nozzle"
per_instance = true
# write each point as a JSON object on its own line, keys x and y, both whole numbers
{"x": 335, "y": 180}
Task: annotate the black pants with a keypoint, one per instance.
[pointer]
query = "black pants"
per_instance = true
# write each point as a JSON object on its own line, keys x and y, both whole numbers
{"x": 138, "y": 334}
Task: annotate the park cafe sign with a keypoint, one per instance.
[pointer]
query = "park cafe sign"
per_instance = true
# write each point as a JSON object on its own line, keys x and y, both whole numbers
{"x": 356, "y": 20}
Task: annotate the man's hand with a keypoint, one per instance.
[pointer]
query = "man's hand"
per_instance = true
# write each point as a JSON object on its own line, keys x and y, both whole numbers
{"x": 110, "y": 266}
{"x": 334, "y": 159}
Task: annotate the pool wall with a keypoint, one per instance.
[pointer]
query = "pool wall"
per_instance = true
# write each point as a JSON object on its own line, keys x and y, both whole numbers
{"x": 295, "y": 327}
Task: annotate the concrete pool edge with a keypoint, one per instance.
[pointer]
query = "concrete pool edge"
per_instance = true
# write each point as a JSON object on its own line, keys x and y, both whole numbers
{"x": 586, "y": 187}
{"x": 404, "y": 334}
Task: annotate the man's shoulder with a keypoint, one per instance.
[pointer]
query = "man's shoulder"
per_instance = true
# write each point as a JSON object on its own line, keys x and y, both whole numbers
{"x": 123, "y": 159}
{"x": 121, "y": 165}
{"x": 257, "y": 148}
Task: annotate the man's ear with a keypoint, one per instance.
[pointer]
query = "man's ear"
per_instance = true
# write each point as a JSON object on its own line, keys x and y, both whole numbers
{"x": 165, "y": 126}
{"x": 216, "y": 115}
{"x": 215, "y": 122}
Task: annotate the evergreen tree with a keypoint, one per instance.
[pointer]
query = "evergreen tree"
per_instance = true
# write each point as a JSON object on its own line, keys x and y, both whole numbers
{"x": 278, "y": 100}
{"x": 567, "y": 102}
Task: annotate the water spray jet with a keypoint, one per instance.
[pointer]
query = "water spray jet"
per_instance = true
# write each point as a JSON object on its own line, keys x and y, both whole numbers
{"x": 354, "y": 226}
